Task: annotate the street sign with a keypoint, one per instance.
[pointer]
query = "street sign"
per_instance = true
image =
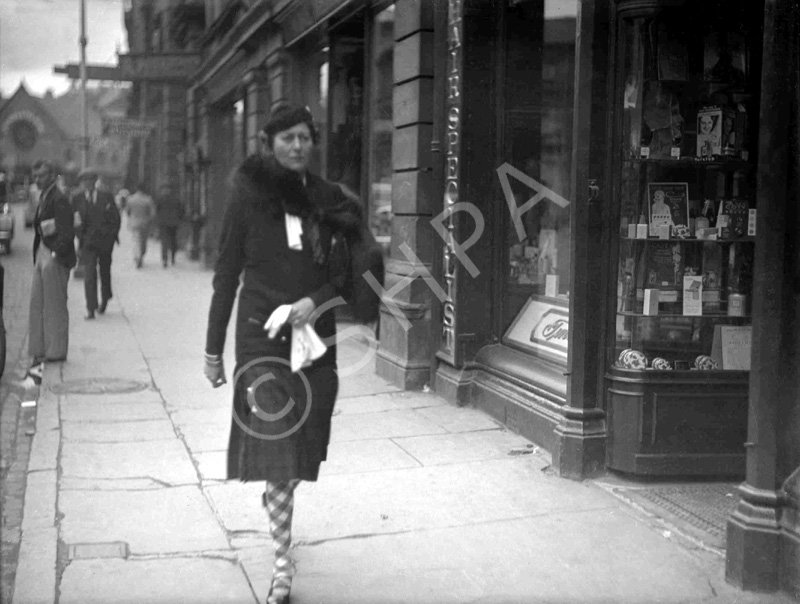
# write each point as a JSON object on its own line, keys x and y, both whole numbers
{"x": 127, "y": 127}
{"x": 161, "y": 67}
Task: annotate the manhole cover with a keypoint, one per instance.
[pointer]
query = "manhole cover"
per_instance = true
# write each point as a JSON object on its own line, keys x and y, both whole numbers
{"x": 99, "y": 386}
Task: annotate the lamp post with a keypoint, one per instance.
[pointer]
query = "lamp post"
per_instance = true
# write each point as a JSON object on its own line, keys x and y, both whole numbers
{"x": 84, "y": 103}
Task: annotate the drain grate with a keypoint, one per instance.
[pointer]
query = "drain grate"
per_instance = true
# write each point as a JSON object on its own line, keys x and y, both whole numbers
{"x": 706, "y": 507}
{"x": 99, "y": 386}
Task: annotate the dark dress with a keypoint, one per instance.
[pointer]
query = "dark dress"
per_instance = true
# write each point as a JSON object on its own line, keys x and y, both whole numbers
{"x": 287, "y": 437}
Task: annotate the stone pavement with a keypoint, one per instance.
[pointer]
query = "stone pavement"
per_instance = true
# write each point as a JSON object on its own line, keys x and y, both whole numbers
{"x": 420, "y": 501}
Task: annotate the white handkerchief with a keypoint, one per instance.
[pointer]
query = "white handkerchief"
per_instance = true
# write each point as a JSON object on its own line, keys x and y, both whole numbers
{"x": 294, "y": 229}
{"x": 276, "y": 320}
{"x": 306, "y": 346}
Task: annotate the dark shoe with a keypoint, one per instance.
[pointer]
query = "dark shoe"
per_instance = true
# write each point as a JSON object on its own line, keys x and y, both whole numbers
{"x": 139, "y": 263}
{"x": 35, "y": 373}
{"x": 164, "y": 262}
{"x": 102, "y": 308}
{"x": 89, "y": 315}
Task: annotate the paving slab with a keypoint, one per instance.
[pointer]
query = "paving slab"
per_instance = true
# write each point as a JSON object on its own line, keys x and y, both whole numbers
{"x": 97, "y": 411}
{"x": 238, "y": 505}
{"x": 183, "y": 386}
{"x": 362, "y": 384}
{"x": 375, "y": 403}
{"x": 111, "y": 432}
{"x": 432, "y": 497}
{"x": 212, "y": 465}
{"x": 170, "y": 520}
{"x": 256, "y": 560}
{"x": 163, "y": 460}
{"x": 170, "y": 581}
{"x": 129, "y": 365}
{"x": 146, "y": 395}
{"x": 465, "y": 447}
{"x": 71, "y": 483}
{"x": 351, "y": 457}
{"x": 40, "y": 500}
{"x": 387, "y": 424}
{"x": 205, "y": 437}
{"x": 219, "y": 416}
{"x": 44, "y": 450}
{"x": 47, "y": 406}
{"x": 35, "y": 580}
{"x": 512, "y": 562}
{"x": 459, "y": 419}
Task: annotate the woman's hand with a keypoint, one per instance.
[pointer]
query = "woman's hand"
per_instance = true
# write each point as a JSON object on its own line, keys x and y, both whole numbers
{"x": 214, "y": 370}
{"x": 301, "y": 311}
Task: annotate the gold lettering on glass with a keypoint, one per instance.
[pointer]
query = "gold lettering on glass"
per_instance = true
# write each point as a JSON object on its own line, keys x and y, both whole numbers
{"x": 449, "y": 311}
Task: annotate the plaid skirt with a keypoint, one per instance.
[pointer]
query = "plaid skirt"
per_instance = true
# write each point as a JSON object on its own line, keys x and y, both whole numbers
{"x": 281, "y": 421}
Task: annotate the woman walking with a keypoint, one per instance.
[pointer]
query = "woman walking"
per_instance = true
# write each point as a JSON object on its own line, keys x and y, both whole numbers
{"x": 278, "y": 231}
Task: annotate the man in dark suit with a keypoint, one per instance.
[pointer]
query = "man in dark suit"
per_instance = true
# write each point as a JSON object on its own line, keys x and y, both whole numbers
{"x": 53, "y": 256}
{"x": 99, "y": 230}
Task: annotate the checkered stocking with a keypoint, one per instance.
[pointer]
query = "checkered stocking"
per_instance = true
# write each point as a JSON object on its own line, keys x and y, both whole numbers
{"x": 279, "y": 498}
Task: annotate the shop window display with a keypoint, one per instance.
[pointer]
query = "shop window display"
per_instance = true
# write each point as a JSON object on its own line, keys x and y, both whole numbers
{"x": 538, "y": 157}
{"x": 685, "y": 187}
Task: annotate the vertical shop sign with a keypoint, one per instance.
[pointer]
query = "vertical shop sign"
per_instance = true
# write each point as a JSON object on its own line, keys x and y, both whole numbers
{"x": 453, "y": 144}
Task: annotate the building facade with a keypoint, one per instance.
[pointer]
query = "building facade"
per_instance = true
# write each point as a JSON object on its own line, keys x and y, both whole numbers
{"x": 49, "y": 127}
{"x": 564, "y": 190}
{"x": 163, "y": 38}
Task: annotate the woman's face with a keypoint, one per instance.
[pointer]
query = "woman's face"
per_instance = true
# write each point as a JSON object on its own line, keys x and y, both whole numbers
{"x": 706, "y": 124}
{"x": 292, "y": 147}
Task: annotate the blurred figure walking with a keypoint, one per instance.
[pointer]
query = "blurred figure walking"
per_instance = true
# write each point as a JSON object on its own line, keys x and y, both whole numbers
{"x": 169, "y": 212}
{"x": 141, "y": 210}
{"x": 54, "y": 256}
{"x": 99, "y": 230}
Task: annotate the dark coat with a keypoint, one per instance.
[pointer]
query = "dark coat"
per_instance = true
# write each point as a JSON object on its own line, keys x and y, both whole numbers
{"x": 54, "y": 205}
{"x": 169, "y": 212}
{"x": 100, "y": 221}
{"x": 253, "y": 246}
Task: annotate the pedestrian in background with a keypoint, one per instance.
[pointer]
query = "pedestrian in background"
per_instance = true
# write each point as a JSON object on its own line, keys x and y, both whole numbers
{"x": 278, "y": 229}
{"x": 98, "y": 232}
{"x": 121, "y": 198}
{"x": 169, "y": 212}
{"x": 141, "y": 210}
{"x": 54, "y": 256}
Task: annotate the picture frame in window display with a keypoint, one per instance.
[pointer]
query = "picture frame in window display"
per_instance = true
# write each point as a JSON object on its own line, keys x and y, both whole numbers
{"x": 668, "y": 205}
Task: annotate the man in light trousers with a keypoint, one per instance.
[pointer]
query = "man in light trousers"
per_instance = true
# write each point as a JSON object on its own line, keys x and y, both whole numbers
{"x": 141, "y": 209}
{"x": 54, "y": 256}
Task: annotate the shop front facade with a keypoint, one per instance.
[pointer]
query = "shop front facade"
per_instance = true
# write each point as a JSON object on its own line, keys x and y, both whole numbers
{"x": 588, "y": 232}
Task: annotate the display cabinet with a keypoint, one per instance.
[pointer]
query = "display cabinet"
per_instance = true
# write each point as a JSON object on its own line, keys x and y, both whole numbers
{"x": 683, "y": 177}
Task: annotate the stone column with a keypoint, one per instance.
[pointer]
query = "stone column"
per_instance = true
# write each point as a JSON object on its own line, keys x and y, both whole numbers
{"x": 404, "y": 356}
{"x": 756, "y": 557}
{"x": 257, "y": 105}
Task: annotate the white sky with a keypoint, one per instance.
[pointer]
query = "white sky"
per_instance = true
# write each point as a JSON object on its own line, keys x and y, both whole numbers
{"x": 35, "y": 35}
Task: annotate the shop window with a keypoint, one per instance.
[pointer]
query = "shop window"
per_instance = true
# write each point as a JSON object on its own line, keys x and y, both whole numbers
{"x": 381, "y": 126}
{"x": 346, "y": 103}
{"x": 360, "y": 81}
{"x": 537, "y": 153}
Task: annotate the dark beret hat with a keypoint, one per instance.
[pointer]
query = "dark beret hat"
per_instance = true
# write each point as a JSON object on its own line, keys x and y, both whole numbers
{"x": 286, "y": 116}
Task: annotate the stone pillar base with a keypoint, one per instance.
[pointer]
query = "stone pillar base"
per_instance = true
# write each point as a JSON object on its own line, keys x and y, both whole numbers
{"x": 401, "y": 372}
{"x": 754, "y": 535}
{"x": 579, "y": 449}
